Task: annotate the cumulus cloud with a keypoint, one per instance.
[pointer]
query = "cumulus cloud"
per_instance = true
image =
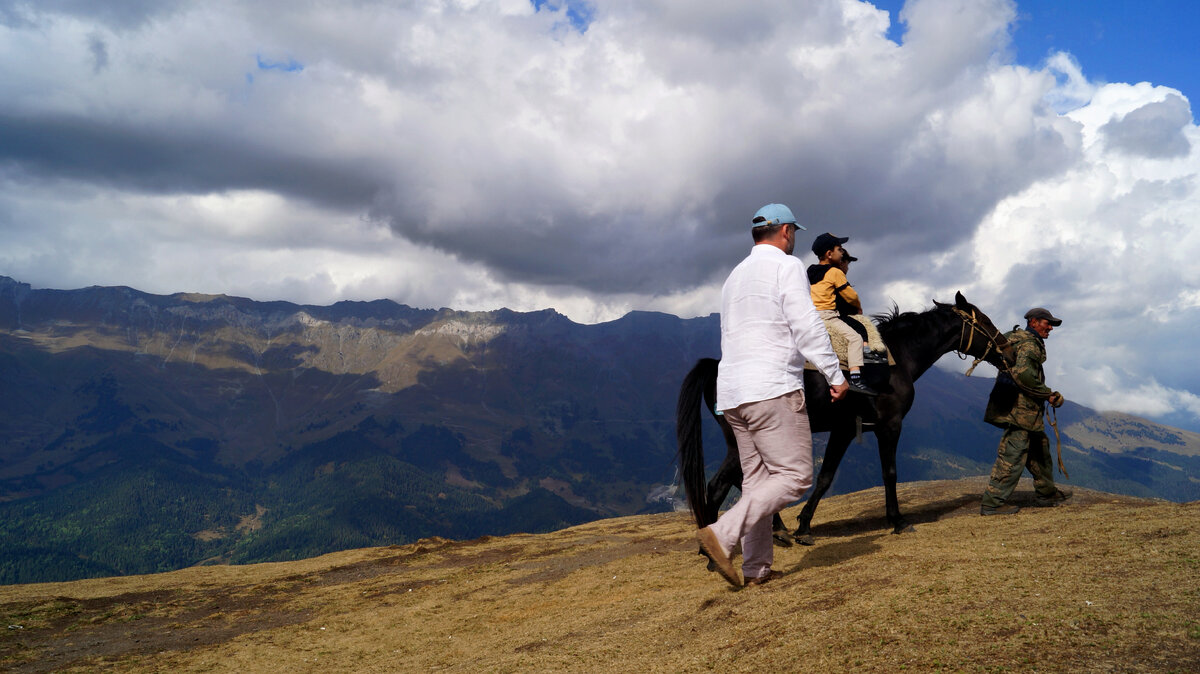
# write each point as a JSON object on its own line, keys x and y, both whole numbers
{"x": 1109, "y": 245}
{"x": 1155, "y": 130}
{"x": 595, "y": 157}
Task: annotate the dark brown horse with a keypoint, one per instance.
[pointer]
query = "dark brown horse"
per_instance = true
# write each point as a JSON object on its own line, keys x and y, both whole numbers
{"x": 916, "y": 342}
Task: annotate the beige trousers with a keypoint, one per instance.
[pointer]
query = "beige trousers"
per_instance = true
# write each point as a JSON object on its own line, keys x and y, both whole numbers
{"x": 775, "y": 446}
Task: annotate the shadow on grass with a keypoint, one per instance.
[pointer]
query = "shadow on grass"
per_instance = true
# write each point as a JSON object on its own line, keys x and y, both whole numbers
{"x": 832, "y": 554}
{"x": 874, "y": 519}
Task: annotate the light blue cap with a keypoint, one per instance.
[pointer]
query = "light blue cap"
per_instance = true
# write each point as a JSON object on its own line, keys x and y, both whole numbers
{"x": 775, "y": 214}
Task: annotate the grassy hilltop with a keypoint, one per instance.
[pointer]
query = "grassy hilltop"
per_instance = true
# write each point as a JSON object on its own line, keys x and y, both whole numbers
{"x": 1108, "y": 583}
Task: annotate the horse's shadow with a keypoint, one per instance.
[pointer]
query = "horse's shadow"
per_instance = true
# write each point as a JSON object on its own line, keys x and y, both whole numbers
{"x": 872, "y": 520}
{"x": 832, "y": 554}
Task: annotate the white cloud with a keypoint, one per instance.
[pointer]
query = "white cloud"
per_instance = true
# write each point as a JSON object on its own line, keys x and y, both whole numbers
{"x": 1150, "y": 398}
{"x": 1109, "y": 245}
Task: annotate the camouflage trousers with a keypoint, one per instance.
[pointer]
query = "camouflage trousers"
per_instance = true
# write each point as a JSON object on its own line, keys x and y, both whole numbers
{"x": 1020, "y": 449}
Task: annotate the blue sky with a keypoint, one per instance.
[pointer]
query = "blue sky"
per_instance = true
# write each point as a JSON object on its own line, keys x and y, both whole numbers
{"x": 604, "y": 156}
{"x": 1115, "y": 40}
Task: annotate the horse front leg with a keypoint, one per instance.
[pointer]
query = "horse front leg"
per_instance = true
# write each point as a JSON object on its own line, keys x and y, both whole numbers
{"x": 889, "y": 439}
{"x": 839, "y": 441}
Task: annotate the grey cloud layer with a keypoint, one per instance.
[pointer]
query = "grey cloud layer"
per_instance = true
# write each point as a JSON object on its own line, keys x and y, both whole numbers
{"x": 179, "y": 159}
{"x": 115, "y": 13}
{"x": 1154, "y": 130}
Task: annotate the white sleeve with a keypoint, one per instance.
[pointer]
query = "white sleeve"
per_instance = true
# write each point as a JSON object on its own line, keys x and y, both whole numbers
{"x": 812, "y": 339}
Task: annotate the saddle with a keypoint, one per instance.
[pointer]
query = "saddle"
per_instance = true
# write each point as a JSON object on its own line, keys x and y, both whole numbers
{"x": 877, "y": 352}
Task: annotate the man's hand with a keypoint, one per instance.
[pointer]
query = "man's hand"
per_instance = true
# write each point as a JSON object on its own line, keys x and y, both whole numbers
{"x": 839, "y": 391}
{"x": 1056, "y": 399}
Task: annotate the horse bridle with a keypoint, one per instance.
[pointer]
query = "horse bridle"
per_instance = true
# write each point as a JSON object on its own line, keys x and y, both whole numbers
{"x": 970, "y": 326}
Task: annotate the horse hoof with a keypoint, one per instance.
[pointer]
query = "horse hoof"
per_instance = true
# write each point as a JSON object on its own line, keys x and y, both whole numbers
{"x": 806, "y": 539}
{"x": 782, "y": 538}
{"x": 906, "y": 529}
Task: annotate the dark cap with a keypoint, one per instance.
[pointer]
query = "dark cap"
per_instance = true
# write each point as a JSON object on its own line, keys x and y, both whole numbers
{"x": 1038, "y": 312}
{"x": 849, "y": 257}
{"x": 826, "y": 242}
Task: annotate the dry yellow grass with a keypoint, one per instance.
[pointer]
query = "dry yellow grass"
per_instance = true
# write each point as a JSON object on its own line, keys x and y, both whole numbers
{"x": 1106, "y": 583}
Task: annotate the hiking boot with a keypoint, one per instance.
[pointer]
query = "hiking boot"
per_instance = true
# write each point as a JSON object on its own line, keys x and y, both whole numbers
{"x": 712, "y": 547}
{"x": 857, "y": 386}
{"x": 1002, "y": 510}
{"x": 768, "y": 577}
{"x": 1054, "y": 499}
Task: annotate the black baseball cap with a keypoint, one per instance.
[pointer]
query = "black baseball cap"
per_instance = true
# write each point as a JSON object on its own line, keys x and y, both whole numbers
{"x": 826, "y": 242}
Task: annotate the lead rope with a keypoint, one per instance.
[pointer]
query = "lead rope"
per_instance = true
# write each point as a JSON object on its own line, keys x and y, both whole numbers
{"x": 1057, "y": 441}
{"x": 980, "y": 359}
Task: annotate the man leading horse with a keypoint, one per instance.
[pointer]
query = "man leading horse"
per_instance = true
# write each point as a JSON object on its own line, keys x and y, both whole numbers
{"x": 1017, "y": 405}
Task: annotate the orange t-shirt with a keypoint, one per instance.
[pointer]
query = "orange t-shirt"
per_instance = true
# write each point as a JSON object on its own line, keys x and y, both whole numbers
{"x": 826, "y": 284}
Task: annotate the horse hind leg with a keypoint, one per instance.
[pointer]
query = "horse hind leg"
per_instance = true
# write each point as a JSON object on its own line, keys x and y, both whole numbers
{"x": 780, "y": 534}
{"x": 839, "y": 441}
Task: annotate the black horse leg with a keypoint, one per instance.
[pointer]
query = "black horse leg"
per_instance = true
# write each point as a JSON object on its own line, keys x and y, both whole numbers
{"x": 728, "y": 476}
{"x": 839, "y": 441}
{"x": 889, "y": 437}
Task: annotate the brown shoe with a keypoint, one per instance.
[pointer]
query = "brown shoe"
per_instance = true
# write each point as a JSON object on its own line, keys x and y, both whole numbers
{"x": 712, "y": 547}
{"x": 1002, "y": 510}
{"x": 770, "y": 576}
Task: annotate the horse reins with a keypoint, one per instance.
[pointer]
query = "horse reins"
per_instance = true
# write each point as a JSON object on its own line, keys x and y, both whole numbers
{"x": 998, "y": 341}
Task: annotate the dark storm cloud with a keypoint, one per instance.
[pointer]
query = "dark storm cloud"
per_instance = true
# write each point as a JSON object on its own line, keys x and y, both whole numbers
{"x": 115, "y": 14}
{"x": 179, "y": 160}
{"x": 99, "y": 50}
{"x": 1154, "y": 130}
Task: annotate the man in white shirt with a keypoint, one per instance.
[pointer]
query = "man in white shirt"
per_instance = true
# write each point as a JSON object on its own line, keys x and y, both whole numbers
{"x": 768, "y": 329}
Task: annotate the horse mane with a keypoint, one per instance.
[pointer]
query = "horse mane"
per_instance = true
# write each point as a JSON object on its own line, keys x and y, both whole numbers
{"x": 893, "y": 323}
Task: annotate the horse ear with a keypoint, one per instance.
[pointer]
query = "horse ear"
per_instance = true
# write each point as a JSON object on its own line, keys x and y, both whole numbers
{"x": 960, "y": 301}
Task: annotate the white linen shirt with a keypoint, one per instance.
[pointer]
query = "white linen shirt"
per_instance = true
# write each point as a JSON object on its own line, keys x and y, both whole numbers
{"x": 768, "y": 328}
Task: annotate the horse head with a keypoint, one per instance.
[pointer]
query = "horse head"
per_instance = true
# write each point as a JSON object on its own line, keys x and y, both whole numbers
{"x": 979, "y": 337}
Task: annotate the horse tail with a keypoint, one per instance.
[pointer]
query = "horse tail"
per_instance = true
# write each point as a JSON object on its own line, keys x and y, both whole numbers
{"x": 698, "y": 385}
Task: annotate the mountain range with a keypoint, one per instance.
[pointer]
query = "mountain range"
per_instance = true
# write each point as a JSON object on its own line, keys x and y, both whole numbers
{"x": 143, "y": 433}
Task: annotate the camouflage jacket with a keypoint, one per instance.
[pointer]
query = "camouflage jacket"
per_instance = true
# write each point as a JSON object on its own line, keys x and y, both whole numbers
{"x": 1021, "y": 404}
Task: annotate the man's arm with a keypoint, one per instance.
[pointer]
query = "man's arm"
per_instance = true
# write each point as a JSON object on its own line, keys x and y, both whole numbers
{"x": 812, "y": 339}
{"x": 1024, "y": 372}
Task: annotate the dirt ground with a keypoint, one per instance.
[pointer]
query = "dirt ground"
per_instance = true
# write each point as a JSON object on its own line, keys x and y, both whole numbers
{"x": 1104, "y": 584}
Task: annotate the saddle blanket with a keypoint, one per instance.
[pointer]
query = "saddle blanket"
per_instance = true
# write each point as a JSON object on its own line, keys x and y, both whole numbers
{"x": 878, "y": 351}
